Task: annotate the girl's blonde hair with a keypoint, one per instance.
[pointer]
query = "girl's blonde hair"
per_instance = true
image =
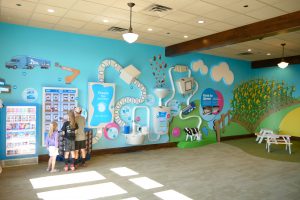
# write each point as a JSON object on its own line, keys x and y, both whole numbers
{"x": 53, "y": 127}
{"x": 72, "y": 118}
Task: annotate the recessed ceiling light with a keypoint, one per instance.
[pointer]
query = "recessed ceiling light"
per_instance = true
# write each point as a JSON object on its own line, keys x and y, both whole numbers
{"x": 18, "y": 4}
{"x": 185, "y": 36}
{"x": 105, "y": 20}
{"x": 268, "y": 54}
{"x": 149, "y": 29}
{"x": 51, "y": 10}
{"x": 200, "y": 22}
{"x": 249, "y": 50}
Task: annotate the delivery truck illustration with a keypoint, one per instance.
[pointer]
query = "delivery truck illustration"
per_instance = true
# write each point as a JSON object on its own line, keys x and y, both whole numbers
{"x": 27, "y": 62}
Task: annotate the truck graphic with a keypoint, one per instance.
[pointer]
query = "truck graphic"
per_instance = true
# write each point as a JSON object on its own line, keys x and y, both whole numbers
{"x": 27, "y": 62}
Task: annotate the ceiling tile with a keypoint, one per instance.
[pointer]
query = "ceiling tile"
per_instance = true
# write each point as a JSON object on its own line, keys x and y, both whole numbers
{"x": 42, "y": 8}
{"x": 88, "y": 32}
{"x": 117, "y": 13}
{"x": 201, "y": 32}
{"x": 221, "y": 2}
{"x": 163, "y": 23}
{"x": 95, "y": 27}
{"x": 9, "y": 12}
{"x": 266, "y": 12}
{"x": 143, "y": 18}
{"x": 13, "y": 20}
{"x": 89, "y": 7}
{"x": 40, "y": 24}
{"x": 241, "y": 20}
{"x": 184, "y": 28}
{"x": 179, "y": 16}
{"x": 71, "y": 23}
{"x": 65, "y": 28}
{"x": 174, "y": 4}
{"x": 25, "y": 5}
{"x": 239, "y": 6}
{"x": 200, "y": 8}
{"x": 288, "y": 5}
{"x": 220, "y": 14}
{"x": 140, "y": 5}
{"x": 59, "y": 3}
{"x": 219, "y": 26}
{"x": 111, "y": 21}
{"x": 76, "y": 15}
{"x": 45, "y": 18}
{"x": 104, "y": 2}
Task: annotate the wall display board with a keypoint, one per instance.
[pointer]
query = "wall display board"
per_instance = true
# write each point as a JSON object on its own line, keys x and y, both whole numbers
{"x": 56, "y": 103}
{"x": 101, "y": 104}
{"x": 20, "y": 128}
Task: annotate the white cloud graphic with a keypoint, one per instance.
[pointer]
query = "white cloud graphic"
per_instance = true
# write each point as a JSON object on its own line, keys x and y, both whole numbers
{"x": 222, "y": 71}
{"x": 199, "y": 65}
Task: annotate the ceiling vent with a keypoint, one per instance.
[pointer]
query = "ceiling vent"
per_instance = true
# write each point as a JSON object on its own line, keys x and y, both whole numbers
{"x": 117, "y": 29}
{"x": 245, "y": 53}
{"x": 157, "y": 8}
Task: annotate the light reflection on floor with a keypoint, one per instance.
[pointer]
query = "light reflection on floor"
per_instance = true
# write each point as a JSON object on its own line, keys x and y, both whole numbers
{"x": 124, "y": 171}
{"x": 98, "y": 190}
{"x": 65, "y": 179}
{"x": 84, "y": 192}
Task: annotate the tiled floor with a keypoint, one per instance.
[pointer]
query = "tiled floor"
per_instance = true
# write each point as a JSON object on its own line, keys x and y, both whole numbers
{"x": 217, "y": 171}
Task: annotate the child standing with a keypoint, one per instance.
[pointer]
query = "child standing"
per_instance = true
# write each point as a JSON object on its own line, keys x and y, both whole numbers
{"x": 52, "y": 146}
{"x": 68, "y": 129}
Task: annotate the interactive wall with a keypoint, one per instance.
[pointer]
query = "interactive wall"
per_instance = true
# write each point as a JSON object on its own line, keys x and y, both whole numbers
{"x": 146, "y": 98}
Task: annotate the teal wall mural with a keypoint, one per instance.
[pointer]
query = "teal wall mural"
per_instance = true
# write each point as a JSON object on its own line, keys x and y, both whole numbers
{"x": 85, "y": 53}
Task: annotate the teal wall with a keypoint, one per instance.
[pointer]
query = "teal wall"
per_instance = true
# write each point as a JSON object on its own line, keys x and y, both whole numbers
{"x": 86, "y": 53}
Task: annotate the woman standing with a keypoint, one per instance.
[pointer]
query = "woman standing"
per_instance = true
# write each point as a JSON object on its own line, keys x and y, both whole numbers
{"x": 68, "y": 129}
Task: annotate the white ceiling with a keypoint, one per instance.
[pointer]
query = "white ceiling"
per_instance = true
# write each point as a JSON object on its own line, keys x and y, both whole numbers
{"x": 86, "y": 17}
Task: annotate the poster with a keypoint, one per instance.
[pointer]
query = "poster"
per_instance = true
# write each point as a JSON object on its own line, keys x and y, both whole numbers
{"x": 56, "y": 104}
{"x": 101, "y": 104}
{"x": 20, "y": 130}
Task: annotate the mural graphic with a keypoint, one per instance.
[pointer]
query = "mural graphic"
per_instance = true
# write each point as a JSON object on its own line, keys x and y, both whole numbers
{"x": 200, "y": 66}
{"x": 212, "y": 102}
{"x": 27, "y": 62}
{"x": 222, "y": 72}
{"x": 75, "y": 73}
{"x": 159, "y": 67}
{"x": 30, "y": 95}
{"x": 101, "y": 100}
{"x": 4, "y": 88}
{"x": 257, "y": 104}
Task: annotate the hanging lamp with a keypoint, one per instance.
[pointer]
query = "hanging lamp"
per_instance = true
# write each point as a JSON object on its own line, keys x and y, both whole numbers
{"x": 282, "y": 64}
{"x": 130, "y": 37}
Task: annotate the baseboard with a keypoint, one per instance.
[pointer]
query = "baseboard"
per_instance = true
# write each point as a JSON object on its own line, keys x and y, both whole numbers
{"x": 19, "y": 162}
{"x": 132, "y": 148}
{"x": 236, "y": 137}
{"x": 96, "y": 152}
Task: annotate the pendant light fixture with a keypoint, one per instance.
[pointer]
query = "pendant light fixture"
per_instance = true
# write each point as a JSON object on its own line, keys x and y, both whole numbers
{"x": 130, "y": 37}
{"x": 282, "y": 64}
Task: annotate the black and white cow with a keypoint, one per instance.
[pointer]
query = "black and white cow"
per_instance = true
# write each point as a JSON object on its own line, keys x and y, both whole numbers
{"x": 192, "y": 133}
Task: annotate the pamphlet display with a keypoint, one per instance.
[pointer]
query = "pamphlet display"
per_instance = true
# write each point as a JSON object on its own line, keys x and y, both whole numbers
{"x": 56, "y": 104}
{"x": 20, "y": 130}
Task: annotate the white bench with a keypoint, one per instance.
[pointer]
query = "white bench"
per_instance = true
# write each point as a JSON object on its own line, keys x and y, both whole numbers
{"x": 279, "y": 139}
{"x": 263, "y": 134}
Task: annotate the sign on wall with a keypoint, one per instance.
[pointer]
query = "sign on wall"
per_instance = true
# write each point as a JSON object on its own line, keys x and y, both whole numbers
{"x": 101, "y": 104}
{"x": 56, "y": 104}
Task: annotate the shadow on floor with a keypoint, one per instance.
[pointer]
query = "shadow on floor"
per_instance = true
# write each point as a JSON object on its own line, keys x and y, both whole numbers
{"x": 278, "y": 152}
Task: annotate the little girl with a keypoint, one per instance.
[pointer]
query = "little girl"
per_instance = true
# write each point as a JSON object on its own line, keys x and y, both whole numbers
{"x": 52, "y": 146}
